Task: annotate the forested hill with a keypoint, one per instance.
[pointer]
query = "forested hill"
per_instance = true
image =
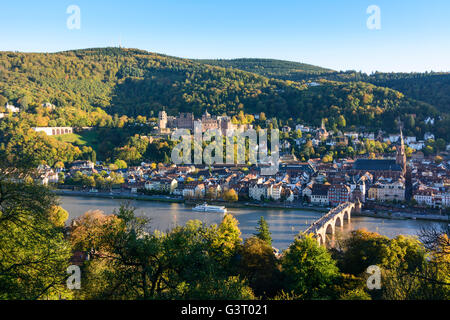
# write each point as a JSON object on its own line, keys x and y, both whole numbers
{"x": 429, "y": 87}
{"x": 271, "y": 68}
{"x": 433, "y": 88}
{"x": 133, "y": 82}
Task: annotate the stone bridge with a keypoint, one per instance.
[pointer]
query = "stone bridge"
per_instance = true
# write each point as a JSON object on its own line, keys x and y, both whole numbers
{"x": 334, "y": 219}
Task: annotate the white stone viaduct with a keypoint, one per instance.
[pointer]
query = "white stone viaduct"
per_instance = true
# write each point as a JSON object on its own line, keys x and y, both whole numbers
{"x": 328, "y": 223}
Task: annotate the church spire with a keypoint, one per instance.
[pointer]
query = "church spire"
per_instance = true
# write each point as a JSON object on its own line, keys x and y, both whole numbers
{"x": 401, "y": 153}
{"x": 401, "y": 138}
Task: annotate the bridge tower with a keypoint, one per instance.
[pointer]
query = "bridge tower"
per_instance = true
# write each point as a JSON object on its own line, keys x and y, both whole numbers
{"x": 358, "y": 206}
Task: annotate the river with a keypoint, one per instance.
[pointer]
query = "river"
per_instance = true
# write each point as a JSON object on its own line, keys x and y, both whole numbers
{"x": 284, "y": 224}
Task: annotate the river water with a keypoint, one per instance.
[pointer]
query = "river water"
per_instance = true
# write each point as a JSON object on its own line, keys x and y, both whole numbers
{"x": 284, "y": 224}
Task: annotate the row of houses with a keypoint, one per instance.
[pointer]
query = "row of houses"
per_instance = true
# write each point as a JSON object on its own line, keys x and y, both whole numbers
{"x": 319, "y": 134}
{"x": 432, "y": 198}
{"x": 383, "y": 190}
{"x": 325, "y": 184}
{"x": 431, "y": 183}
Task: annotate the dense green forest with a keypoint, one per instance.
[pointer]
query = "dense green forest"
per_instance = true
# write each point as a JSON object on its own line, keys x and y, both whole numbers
{"x": 429, "y": 87}
{"x": 269, "y": 68}
{"x": 433, "y": 88}
{"x": 102, "y": 82}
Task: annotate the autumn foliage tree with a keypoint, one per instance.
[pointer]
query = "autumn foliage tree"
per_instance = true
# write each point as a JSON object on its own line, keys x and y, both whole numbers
{"x": 230, "y": 195}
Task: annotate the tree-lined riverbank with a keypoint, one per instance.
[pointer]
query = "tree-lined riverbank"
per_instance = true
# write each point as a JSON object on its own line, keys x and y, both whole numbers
{"x": 172, "y": 199}
{"x": 285, "y": 224}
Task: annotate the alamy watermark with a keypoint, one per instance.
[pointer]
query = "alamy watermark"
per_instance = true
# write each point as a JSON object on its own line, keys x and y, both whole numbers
{"x": 374, "y": 20}
{"x": 235, "y": 147}
{"x": 374, "y": 280}
{"x": 74, "y": 280}
{"x": 74, "y": 20}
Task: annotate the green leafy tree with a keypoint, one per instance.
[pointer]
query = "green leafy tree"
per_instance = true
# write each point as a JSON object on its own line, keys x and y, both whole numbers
{"x": 263, "y": 231}
{"x": 342, "y": 123}
{"x": 259, "y": 265}
{"x": 225, "y": 240}
{"x": 3, "y": 101}
{"x": 130, "y": 263}
{"x": 409, "y": 275}
{"x": 356, "y": 294}
{"x": 309, "y": 269}
{"x": 361, "y": 250}
{"x": 298, "y": 134}
{"x": 58, "y": 216}
{"x": 121, "y": 164}
{"x": 34, "y": 253}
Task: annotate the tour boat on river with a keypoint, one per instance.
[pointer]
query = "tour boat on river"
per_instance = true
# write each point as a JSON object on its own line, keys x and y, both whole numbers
{"x": 207, "y": 208}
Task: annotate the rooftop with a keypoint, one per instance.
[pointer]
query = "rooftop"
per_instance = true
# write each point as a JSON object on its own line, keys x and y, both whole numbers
{"x": 376, "y": 165}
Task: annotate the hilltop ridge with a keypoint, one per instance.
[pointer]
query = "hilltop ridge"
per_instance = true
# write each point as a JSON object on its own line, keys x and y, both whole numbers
{"x": 135, "y": 82}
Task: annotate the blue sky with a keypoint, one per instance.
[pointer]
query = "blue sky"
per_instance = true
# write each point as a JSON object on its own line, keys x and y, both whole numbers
{"x": 414, "y": 34}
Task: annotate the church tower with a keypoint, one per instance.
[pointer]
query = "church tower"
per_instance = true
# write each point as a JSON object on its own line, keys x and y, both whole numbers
{"x": 401, "y": 154}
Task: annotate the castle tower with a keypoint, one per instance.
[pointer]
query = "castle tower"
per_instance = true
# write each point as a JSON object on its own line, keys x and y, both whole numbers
{"x": 162, "y": 120}
{"x": 401, "y": 154}
{"x": 206, "y": 116}
{"x": 322, "y": 133}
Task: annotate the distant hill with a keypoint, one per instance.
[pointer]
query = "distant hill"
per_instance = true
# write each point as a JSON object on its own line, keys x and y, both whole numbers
{"x": 271, "y": 68}
{"x": 430, "y": 87}
{"x": 134, "y": 82}
{"x": 433, "y": 88}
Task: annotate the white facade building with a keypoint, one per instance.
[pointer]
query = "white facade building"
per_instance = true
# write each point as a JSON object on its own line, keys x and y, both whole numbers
{"x": 54, "y": 131}
{"x": 11, "y": 108}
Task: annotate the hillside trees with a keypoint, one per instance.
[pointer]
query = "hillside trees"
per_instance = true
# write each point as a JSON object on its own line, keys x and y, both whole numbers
{"x": 138, "y": 83}
{"x": 34, "y": 253}
{"x": 131, "y": 263}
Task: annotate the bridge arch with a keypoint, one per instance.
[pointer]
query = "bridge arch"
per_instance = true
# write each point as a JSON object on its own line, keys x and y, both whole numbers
{"x": 339, "y": 221}
{"x": 347, "y": 215}
{"x": 324, "y": 229}
{"x": 320, "y": 241}
{"x": 329, "y": 229}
